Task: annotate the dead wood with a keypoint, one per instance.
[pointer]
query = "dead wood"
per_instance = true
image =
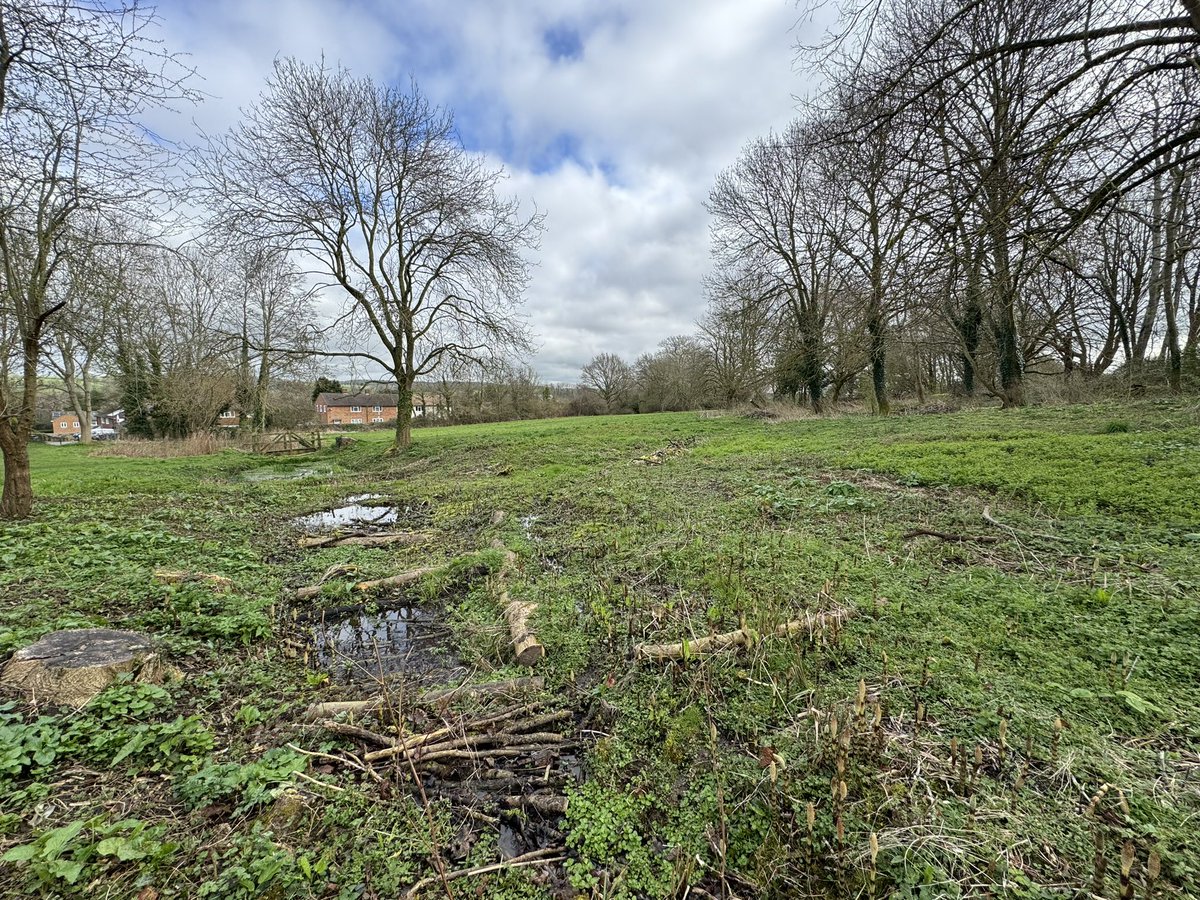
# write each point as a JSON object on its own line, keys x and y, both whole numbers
{"x": 949, "y": 537}
{"x": 517, "y": 613}
{"x": 363, "y": 734}
{"x": 492, "y": 688}
{"x": 550, "y": 804}
{"x": 533, "y": 858}
{"x": 407, "y": 746}
{"x": 165, "y": 576}
{"x": 363, "y": 540}
{"x": 509, "y": 686}
{"x": 811, "y": 625}
{"x": 363, "y": 587}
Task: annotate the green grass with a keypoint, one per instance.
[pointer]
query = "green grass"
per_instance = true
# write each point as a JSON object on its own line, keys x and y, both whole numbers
{"x": 1012, "y": 680}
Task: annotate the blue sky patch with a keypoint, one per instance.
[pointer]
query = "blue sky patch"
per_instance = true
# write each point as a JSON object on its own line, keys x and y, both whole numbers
{"x": 562, "y": 42}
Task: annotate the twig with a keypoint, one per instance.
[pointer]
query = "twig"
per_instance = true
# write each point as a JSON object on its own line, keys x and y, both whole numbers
{"x": 950, "y": 538}
{"x": 545, "y": 855}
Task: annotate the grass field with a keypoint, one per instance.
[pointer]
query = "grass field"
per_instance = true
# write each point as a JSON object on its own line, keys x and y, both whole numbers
{"x": 1010, "y": 707}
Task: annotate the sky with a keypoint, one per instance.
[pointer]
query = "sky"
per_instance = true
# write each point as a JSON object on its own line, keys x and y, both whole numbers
{"x": 613, "y": 118}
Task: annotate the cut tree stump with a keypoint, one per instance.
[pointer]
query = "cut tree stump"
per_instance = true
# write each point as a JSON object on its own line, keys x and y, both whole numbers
{"x": 71, "y": 667}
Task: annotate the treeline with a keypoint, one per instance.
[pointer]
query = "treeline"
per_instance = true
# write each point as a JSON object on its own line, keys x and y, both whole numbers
{"x": 183, "y": 333}
{"x": 983, "y": 192}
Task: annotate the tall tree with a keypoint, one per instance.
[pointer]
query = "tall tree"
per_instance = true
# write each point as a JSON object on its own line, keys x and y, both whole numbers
{"x": 374, "y": 185}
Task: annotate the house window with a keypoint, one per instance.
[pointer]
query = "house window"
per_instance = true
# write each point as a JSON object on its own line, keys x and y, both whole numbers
{"x": 337, "y": 421}
{"x": 378, "y": 409}
{"x": 356, "y": 409}
{"x": 377, "y": 419}
{"x": 356, "y": 420}
{"x": 321, "y": 408}
{"x": 62, "y": 425}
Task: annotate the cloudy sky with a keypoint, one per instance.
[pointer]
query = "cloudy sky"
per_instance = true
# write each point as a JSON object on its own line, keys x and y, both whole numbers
{"x": 614, "y": 117}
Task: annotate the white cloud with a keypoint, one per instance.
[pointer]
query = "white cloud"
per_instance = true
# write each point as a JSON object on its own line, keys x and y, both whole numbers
{"x": 659, "y": 98}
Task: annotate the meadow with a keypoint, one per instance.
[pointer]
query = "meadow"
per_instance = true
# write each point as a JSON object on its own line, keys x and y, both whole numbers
{"x": 995, "y": 694}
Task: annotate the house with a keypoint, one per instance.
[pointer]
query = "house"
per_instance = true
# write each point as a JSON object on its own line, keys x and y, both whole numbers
{"x": 65, "y": 425}
{"x": 355, "y": 408}
{"x": 229, "y": 418}
{"x": 428, "y": 405}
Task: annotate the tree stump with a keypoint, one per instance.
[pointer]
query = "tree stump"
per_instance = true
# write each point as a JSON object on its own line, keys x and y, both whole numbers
{"x": 71, "y": 667}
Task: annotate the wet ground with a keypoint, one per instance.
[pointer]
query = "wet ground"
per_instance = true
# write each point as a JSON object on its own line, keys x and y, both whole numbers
{"x": 358, "y": 513}
{"x": 363, "y": 644}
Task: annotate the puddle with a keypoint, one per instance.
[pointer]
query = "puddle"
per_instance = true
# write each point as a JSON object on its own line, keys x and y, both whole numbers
{"x": 356, "y": 645}
{"x": 357, "y": 513}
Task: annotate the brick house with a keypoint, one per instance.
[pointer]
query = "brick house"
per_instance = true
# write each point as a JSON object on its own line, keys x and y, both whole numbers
{"x": 355, "y": 409}
{"x": 65, "y": 424}
{"x": 229, "y": 418}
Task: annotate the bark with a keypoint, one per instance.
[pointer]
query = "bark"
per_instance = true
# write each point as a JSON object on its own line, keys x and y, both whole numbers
{"x": 15, "y": 431}
{"x": 877, "y": 350}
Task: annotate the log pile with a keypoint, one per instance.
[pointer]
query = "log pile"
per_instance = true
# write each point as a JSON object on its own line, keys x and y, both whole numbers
{"x": 515, "y": 731}
{"x": 508, "y": 688}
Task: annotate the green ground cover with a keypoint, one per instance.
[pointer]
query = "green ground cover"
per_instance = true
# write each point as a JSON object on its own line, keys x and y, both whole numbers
{"x": 993, "y": 717}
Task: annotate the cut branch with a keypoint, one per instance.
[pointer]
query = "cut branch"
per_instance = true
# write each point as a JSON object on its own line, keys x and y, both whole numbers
{"x": 811, "y": 625}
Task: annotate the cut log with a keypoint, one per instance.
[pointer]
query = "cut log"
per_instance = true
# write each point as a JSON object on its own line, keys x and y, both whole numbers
{"x": 549, "y": 804}
{"x": 363, "y": 540}
{"x": 714, "y": 643}
{"x": 363, "y": 587}
{"x": 527, "y": 649}
{"x": 511, "y": 686}
{"x": 72, "y": 667}
{"x": 163, "y": 576}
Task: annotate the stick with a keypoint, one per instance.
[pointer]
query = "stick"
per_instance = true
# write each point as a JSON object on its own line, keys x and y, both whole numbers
{"x": 743, "y": 637}
{"x": 532, "y": 858}
{"x": 361, "y": 540}
{"x": 952, "y": 538}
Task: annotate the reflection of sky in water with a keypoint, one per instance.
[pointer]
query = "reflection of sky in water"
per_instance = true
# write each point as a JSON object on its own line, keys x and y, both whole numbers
{"x": 367, "y": 645}
{"x": 356, "y": 513}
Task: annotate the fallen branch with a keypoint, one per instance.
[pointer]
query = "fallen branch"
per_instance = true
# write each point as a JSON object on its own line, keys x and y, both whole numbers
{"x": 517, "y": 613}
{"x": 550, "y": 804}
{"x": 164, "y": 576}
{"x": 362, "y": 540}
{"x": 811, "y": 624}
{"x": 533, "y": 858}
{"x": 363, "y": 587}
{"x": 950, "y": 538}
{"x": 510, "y": 686}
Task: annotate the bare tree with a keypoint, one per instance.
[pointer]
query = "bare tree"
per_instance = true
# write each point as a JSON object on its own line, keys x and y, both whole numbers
{"x": 610, "y": 377}
{"x": 268, "y": 312}
{"x": 75, "y": 80}
{"x": 739, "y": 334}
{"x": 373, "y": 184}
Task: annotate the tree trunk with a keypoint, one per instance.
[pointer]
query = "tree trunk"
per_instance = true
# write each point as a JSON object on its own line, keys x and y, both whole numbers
{"x": 17, "y": 500}
{"x": 404, "y": 408}
{"x": 878, "y": 354}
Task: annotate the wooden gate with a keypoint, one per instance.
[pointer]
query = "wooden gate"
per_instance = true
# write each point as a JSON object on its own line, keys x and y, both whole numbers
{"x": 280, "y": 442}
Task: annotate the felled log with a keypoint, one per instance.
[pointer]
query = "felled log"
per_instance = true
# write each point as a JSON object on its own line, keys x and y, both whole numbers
{"x": 517, "y": 613}
{"x": 73, "y": 666}
{"x": 362, "y": 540}
{"x": 363, "y": 587}
{"x": 743, "y": 637}
{"x": 164, "y": 576}
{"x": 550, "y": 804}
{"x": 369, "y": 705}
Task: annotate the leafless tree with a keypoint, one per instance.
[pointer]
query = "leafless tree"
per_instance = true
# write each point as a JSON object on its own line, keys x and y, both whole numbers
{"x": 75, "y": 82}
{"x": 611, "y": 378}
{"x": 372, "y": 183}
{"x": 739, "y": 334}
